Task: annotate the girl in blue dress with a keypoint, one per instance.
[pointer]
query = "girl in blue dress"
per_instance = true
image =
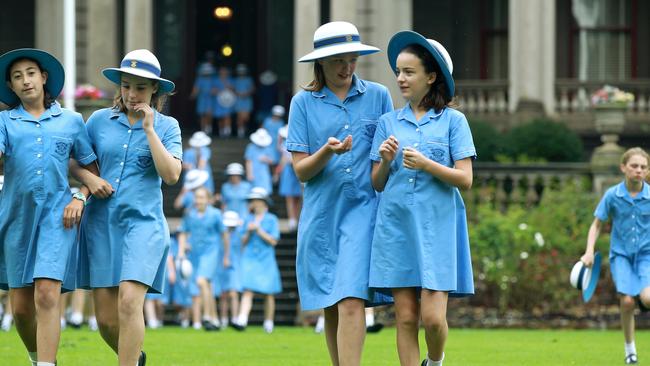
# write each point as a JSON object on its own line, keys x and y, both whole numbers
{"x": 124, "y": 236}
{"x": 290, "y": 187}
{"x": 331, "y": 125}
{"x": 202, "y": 92}
{"x": 422, "y": 155}
{"x": 225, "y": 99}
{"x": 272, "y": 125}
{"x": 258, "y": 157}
{"x": 230, "y": 277}
{"x": 38, "y": 214}
{"x": 259, "y": 269}
{"x": 198, "y": 156}
{"x": 201, "y": 237}
{"x": 627, "y": 204}
{"x": 244, "y": 88}
{"x": 235, "y": 190}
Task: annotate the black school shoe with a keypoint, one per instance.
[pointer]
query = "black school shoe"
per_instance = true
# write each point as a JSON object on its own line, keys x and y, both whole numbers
{"x": 424, "y": 362}
{"x": 375, "y": 328}
{"x": 631, "y": 359}
{"x": 238, "y": 327}
{"x": 209, "y": 326}
{"x": 142, "y": 360}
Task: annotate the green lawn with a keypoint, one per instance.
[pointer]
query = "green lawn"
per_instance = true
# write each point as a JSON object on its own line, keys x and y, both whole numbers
{"x": 300, "y": 346}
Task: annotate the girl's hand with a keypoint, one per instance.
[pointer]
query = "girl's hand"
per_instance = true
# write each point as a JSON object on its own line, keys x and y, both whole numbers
{"x": 147, "y": 122}
{"x": 339, "y": 147}
{"x": 587, "y": 259}
{"x": 252, "y": 226}
{"x": 99, "y": 187}
{"x": 72, "y": 213}
{"x": 414, "y": 159}
{"x": 388, "y": 149}
{"x": 226, "y": 262}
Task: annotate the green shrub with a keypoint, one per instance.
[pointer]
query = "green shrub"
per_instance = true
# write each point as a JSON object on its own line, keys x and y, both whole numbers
{"x": 487, "y": 140}
{"x": 543, "y": 140}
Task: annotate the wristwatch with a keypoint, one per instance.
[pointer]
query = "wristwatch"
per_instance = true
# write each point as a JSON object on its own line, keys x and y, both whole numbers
{"x": 81, "y": 197}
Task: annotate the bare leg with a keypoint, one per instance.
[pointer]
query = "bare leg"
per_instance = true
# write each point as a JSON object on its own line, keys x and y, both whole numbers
{"x": 47, "y": 293}
{"x": 351, "y": 331}
{"x": 433, "y": 306}
{"x": 196, "y": 310}
{"x": 246, "y": 306}
{"x": 209, "y": 306}
{"x": 627, "y": 317}
{"x": 269, "y": 307}
{"x": 331, "y": 332}
{"x": 130, "y": 310}
{"x": 234, "y": 303}
{"x": 407, "y": 314}
{"x": 105, "y": 300}
{"x": 24, "y": 313}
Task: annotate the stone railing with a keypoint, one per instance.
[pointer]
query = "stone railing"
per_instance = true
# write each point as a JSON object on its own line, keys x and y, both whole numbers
{"x": 574, "y": 96}
{"x": 482, "y": 96}
{"x": 523, "y": 183}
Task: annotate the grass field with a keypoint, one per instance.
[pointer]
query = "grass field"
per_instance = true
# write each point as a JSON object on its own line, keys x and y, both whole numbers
{"x": 288, "y": 346}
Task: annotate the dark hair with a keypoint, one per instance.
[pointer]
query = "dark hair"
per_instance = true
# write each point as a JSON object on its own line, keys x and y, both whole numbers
{"x": 158, "y": 99}
{"x": 319, "y": 78}
{"x": 437, "y": 96}
{"x": 48, "y": 100}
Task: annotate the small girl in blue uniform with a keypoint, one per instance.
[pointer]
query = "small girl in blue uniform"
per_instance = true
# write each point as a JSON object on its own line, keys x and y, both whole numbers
{"x": 259, "y": 269}
{"x": 331, "y": 125}
{"x": 272, "y": 125}
{"x": 627, "y": 204}
{"x": 258, "y": 157}
{"x": 225, "y": 99}
{"x": 244, "y": 88}
{"x": 194, "y": 179}
{"x": 198, "y": 156}
{"x": 235, "y": 190}
{"x": 202, "y": 234}
{"x": 202, "y": 91}
{"x": 38, "y": 214}
{"x": 422, "y": 154}
{"x": 124, "y": 236}
{"x": 290, "y": 187}
{"x": 230, "y": 277}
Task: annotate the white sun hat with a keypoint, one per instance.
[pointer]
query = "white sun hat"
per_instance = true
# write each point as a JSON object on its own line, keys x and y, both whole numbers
{"x": 268, "y": 77}
{"x": 261, "y": 138}
{"x": 259, "y": 193}
{"x": 278, "y": 110}
{"x": 284, "y": 131}
{"x": 195, "y": 178}
{"x": 141, "y": 63}
{"x": 234, "y": 169}
{"x": 585, "y": 278}
{"x": 2, "y": 181}
{"x": 200, "y": 139}
{"x": 335, "y": 38}
{"x": 185, "y": 268}
{"x": 231, "y": 219}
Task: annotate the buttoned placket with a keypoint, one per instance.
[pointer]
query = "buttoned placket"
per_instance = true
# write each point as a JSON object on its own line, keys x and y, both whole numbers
{"x": 126, "y": 143}
{"x": 39, "y": 169}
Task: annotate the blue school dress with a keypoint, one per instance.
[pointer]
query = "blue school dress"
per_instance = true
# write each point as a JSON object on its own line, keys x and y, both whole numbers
{"x": 420, "y": 237}
{"x": 220, "y": 111}
{"x": 629, "y": 254}
{"x": 192, "y": 156}
{"x": 259, "y": 269}
{"x": 234, "y": 197}
{"x": 336, "y": 226}
{"x": 273, "y": 126}
{"x": 261, "y": 171}
{"x": 205, "y": 102}
{"x": 204, "y": 238}
{"x": 36, "y": 151}
{"x": 179, "y": 292}
{"x": 290, "y": 186}
{"x": 243, "y": 84}
{"x": 230, "y": 278}
{"x": 125, "y": 237}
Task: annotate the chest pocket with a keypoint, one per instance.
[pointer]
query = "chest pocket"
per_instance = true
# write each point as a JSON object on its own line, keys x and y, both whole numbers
{"x": 60, "y": 147}
{"x": 437, "y": 149}
{"x": 143, "y": 158}
{"x": 368, "y": 126}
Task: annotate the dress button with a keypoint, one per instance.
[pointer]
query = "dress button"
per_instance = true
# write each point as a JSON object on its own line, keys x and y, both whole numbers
{"x": 38, "y": 139}
{"x": 347, "y": 126}
{"x": 121, "y": 163}
{"x": 129, "y": 131}
{"x": 415, "y": 144}
{"x": 347, "y": 170}
{"x": 38, "y": 125}
{"x": 38, "y": 172}
{"x": 417, "y": 130}
{"x": 117, "y": 180}
{"x": 410, "y": 180}
{"x": 125, "y": 145}
{"x": 38, "y": 155}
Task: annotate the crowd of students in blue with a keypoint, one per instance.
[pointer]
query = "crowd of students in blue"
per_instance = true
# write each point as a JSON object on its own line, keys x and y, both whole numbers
{"x": 407, "y": 246}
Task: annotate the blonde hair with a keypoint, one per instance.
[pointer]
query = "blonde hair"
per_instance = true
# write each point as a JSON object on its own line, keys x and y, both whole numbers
{"x": 158, "y": 99}
{"x": 634, "y": 151}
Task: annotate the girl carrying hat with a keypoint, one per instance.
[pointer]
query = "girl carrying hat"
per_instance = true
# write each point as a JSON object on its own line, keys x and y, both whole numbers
{"x": 331, "y": 126}
{"x": 258, "y": 157}
{"x": 422, "y": 155}
{"x": 244, "y": 88}
{"x": 38, "y": 213}
{"x": 202, "y": 92}
{"x": 124, "y": 235}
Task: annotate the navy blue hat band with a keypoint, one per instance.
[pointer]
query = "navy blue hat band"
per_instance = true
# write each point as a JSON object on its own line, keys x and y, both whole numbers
{"x": 335, "y": 40}
{"x": 137, "y": 64}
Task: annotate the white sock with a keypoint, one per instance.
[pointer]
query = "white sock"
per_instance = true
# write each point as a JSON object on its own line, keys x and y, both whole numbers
{"x": 76, "y": 318}
{"x": 196, "y": 325}
{"x": 268, "y": 325}
{"x": 224, "y": 322}
{"x": 48, "y": 364}
{"x": 92, "y": 323}
{"x": 242, "y": 320}
{"x": 431, "y": 362}
{"x": 370, "y": 320}
{"x": 630, "y": 348}
{"x": 6, "y": 321}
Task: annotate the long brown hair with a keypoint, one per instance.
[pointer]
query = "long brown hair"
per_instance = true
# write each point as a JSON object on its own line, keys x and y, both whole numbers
{"x": 158, "y": 99}
{"x": 319, "y": 78}
{"x": 48, "y": 99}
{"x": 437, "y": 96}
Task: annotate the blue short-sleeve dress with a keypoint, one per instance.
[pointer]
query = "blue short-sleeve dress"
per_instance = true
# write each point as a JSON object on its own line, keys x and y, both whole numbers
{"x": 243, "y": 84}
{"x": 234, "y": 197}
{"x": 193, "y": 156}
{"x": 230, "y": 278}
{"x": 33, "y": 242}
{"x": 289, "y": 185}
{"x": 259, "y": 269}
{"x": 205, "y": 101}
{"x": 125, "y": 237}
{"x": 261, "y": 170}
{"x": 273, "y": 125}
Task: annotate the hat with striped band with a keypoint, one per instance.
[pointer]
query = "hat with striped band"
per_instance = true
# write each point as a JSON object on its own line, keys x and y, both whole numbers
{"x": 140, "y": 63}
{"x": 336, "y": 38}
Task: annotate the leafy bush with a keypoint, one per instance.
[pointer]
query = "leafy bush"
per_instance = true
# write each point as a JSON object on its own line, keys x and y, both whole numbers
{"x": 487, "y": 140}
{"x": 543, "y": 140}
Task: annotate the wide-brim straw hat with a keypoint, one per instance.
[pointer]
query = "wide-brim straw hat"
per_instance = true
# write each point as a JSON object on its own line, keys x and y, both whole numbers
{"x": 195, "y": 178}
{"x": 585, "y": 278}
{"x": 261, "y": 137}
{"x": 200, "y": 139}
{"x": 206, "y": 68}
{"x": 259, "y": 193}
{"x": 284, "y": 131}
{"x": 231, "y": 219}
{"x": 404, "y": 38}
{"x": 278, "y": 110}
{"x": 235, "y": 169}
{"x": 140, "y": 63}
{"x": 49, "y": 63}
{"x": 268, "y": 77}
{"x": 336, "y": 38}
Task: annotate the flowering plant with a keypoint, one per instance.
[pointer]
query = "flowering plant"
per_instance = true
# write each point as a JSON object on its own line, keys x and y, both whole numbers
{"x": 87, "y": 91}
{"x": 611, "y": 96}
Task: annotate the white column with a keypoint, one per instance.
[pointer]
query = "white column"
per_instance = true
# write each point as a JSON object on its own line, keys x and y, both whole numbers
{"x": 138, "y": 25}
{"x": 306, "y": 20}
{"x": 101, "y": 47}
{"x": 531, "y": 43}
{"x": 69, "y": 53}
{"x": 344, "y": 10}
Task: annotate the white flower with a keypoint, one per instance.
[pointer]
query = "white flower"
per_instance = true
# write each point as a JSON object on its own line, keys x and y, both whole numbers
{"x": 523, "y": 255}
{"x": 523, "y": 226}
{"x": 499, "y": 263}
{"x": 539, "y": 239}
{"x": 481, "y": 276}
{"x": 504, "y": 279}
{"x": 504, "y": 286}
